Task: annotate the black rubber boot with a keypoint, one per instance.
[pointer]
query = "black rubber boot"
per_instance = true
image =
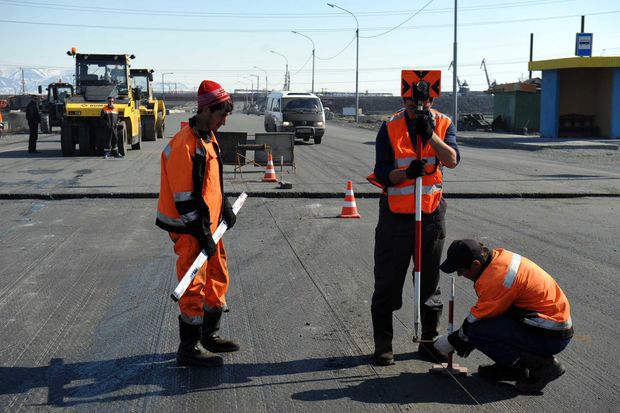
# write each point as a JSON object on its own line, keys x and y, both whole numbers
{"x": 191, "y": 352}
{"x": 210, "y": 339}
{"x": 501, "y": 372}
{"x": 430, "y": 330}
{"x": 543, "y": 370}
{"x": 382, "y": 335}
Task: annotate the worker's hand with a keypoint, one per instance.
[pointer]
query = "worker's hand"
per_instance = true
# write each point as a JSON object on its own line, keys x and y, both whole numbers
{"x": 208, "y": 245}
{"x": 205, "y": 239}
{"x": 415, "y": 169}
{"x": 424, "y": 125}
{"x": 463, "y": 348}
{"x": 228, "y": 214}
{"x": 443, "y": 346}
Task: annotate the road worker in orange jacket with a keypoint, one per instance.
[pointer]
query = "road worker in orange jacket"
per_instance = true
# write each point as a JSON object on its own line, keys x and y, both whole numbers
{"x": 191, "y": 206}
{"x": 520, "y": 321}
{"x": 396, "y": 169}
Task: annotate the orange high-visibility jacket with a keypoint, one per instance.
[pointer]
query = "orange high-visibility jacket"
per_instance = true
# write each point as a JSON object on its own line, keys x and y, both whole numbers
{"x": 186, "y": 193}
{"x": 401, "y": 197}
{"x": 109, "y": 116}
{"x": 512, "y": 281}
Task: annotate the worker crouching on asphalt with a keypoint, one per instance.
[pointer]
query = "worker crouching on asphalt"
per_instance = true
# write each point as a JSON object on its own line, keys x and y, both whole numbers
{"x": 191, "y": 206}
{"x": 520, "y": 321}
{"x": 395, "y": 172}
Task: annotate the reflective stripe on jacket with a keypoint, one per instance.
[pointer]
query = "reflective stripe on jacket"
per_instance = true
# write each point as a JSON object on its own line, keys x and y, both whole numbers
{"x": 109, "y": 116}
{"x": 401, "y": 197}
{"x": 185, "y": 196}
{"x": 514, "y": 283}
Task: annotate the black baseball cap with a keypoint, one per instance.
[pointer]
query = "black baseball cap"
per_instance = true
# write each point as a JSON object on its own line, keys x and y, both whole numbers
{"x": 461, "y": 254}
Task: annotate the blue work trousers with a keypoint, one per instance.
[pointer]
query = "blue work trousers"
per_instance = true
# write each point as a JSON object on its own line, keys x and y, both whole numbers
{"x": 504, "y": 339}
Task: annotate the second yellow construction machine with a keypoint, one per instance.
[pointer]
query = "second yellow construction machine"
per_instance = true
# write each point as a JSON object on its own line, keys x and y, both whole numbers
{"x": 152, "y": 111}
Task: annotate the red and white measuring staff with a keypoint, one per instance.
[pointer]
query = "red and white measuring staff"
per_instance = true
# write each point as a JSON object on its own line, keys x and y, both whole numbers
{"x": 451, "y": 318}
{"x": 418, "y": 242}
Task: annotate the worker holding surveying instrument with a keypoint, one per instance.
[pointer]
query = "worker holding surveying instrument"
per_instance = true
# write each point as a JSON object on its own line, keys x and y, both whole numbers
{"x": 411, "y": 149}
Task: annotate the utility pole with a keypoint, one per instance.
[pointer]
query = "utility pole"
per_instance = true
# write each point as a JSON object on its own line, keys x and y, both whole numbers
{"x": 455, "y": 79}
{"x": 23, "y": 81}
{"x": 531, "y": 50}
{"x": 163, "y": 85}
{"x": 313, "y": 50}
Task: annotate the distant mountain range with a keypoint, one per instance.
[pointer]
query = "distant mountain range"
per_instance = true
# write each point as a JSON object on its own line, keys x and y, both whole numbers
{"x": 11, "y": 80}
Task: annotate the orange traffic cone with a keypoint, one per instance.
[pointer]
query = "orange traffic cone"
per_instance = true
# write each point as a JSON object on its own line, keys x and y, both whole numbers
{"x": 270, "y": 172}
{"x": 349, "y": 208}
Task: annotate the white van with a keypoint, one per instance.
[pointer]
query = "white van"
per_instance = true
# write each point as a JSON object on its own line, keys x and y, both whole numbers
{"x": 297, "y": 112}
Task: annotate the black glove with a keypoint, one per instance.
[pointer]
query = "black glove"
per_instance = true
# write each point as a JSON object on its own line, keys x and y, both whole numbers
{"x": 205, "y": 238}
{"x": 415, "y": 169}
{"x": 208, "y": 245}
{"x": 228, "y": 214}
{"x": 424, "y": 125}
{"x": 462, "y": 347}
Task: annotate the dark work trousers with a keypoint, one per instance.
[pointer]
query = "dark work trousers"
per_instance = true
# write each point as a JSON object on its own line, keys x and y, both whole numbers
{"x": 504, "y": 339}
{"x": 111, "y": 141}
{"x": 394, "y": 252}
{"x": 34, "y": 135}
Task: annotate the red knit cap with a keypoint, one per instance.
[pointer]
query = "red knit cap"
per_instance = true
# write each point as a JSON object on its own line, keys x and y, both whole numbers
{"x": 210, "y": 93}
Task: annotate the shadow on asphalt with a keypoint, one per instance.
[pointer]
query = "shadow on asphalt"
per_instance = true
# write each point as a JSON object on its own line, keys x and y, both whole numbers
{"x": 103, "y": 381}
{"x": 23, "y": 153}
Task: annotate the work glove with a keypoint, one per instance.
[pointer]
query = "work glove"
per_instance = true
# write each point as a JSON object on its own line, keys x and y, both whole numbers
{"x": 208, "y": 245}
{"x": 463, "y": 348}
{"x": 228, "y": 214}
{"x": 205, "y": 238}
{"x": 443, "y": 346}
{"x": 424, "y": 125}
{"x": 415, "y": 169}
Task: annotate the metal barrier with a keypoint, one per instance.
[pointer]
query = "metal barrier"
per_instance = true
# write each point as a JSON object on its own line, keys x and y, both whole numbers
{"x": 282, "y": 148}
{"x": 231, "y": 145}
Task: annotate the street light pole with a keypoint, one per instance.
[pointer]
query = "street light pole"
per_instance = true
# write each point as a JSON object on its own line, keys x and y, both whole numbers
{"x": 313, "y": 48}
{"x": 266, "y": 80}
{"x": 287, "y": 78}
{"x": 257, "y": 82}
{"x": 163, "y": 88}
{"x": 357, "y": 59}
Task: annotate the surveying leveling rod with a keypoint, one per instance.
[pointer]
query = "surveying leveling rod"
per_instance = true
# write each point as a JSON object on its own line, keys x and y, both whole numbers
{"x": 418, "y": 240}
{"x": 202, "y": 257}
{"x": 450, "y": 368}
{"x": 451, "y": 317}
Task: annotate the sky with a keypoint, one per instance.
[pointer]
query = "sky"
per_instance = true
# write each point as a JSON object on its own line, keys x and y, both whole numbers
{"x": 225, "y": 40}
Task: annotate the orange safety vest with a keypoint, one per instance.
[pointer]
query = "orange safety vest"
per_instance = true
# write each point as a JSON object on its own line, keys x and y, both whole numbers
{"x": 511, "y": 280}
{"x": 401, "y": 197}
{"x": 178, "y": 208}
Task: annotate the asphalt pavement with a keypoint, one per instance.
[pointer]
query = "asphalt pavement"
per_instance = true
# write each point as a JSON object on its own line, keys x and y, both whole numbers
{"x": 86, "y": 322}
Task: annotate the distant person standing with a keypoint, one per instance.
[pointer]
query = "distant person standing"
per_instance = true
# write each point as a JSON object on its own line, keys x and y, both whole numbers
{"x": 33, "y": 116}
{"x": 109, "y": 115}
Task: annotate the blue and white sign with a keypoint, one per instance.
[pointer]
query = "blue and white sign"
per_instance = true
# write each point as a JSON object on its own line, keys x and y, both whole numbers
{"x": 583, "y": 45}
